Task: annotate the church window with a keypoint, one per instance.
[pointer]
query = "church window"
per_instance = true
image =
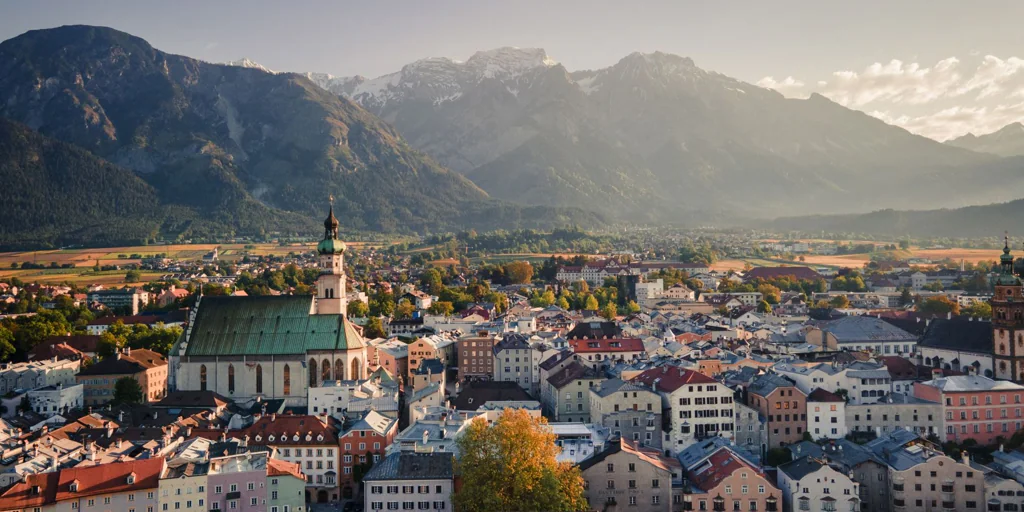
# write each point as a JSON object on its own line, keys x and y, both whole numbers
{"x": 231, "y": 378}
{"x": 312, "y": 373}
{"x": 339, "y": 369}
{"x": 356, "y": 374}
{"x": 287, "y": 380}
{"x": 202, "y": 377}
{"x": 259, "y": 378}
{"x": 325, "y": 369}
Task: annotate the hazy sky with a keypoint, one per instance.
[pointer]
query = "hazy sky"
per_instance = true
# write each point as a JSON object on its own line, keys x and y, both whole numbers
{"x": 939, "y": 68}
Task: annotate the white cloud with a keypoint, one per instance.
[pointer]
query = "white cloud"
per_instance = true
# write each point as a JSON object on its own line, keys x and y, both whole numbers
{"x": 942, "y": 101}
{"x": 788, "y": 86}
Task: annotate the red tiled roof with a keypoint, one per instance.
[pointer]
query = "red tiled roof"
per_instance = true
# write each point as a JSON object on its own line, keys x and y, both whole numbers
{"x": 277, "y": 467}
{"x": 671, "y": 378}
{"x": 607, "y": 345}
{"x": 36, "y": 491}
{"x": 110, "y": 478}
{"x": 80, "y": 342}
{"x": 718, "y": 467}
{"x": 821, "y": 395}
{"x": 289, "y": 426}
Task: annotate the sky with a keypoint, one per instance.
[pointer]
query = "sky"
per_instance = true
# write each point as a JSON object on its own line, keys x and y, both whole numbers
{"x": 939, "y": 68}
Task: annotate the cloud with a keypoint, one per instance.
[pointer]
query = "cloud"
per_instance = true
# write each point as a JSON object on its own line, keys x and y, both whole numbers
{"x": 944, "y": 100}
{"x": 789, "y": 86}
{"x": 211, "y": 45}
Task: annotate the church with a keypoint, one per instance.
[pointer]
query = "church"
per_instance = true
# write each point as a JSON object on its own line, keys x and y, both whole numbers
{"x": 273, "y": 347}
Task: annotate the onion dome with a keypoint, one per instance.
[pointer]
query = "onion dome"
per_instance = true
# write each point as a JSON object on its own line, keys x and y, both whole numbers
{"x": 330, "y": 244}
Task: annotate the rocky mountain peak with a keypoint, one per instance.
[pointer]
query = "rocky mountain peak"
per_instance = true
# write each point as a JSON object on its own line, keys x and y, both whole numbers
{"x": 245, "y": 62}
{"x": 506, "y": 61}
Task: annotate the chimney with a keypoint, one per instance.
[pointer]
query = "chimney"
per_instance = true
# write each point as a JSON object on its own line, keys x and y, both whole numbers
{"x": 120, "y": 416}
{"x": 949, "y": 315}
{"x": 966, "y": 458}
{"x": 188, "y": 431}
{"x": 110, "y": 432}
{"x": 426, "y": 437}
{"x": 273, "y": 416}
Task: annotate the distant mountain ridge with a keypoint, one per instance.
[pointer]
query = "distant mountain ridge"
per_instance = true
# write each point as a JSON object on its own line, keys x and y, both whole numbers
{"x": 656, "y": 138}
{"x": 236, "y": 143}
{"x": 1007, "y": 141}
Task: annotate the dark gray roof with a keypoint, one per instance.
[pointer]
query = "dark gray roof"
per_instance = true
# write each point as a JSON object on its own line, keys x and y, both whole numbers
{"x": 435, "y": 367}
{"x": 475, "y": 394}
{"x": 514, "y": 341}
{"x": 413, "y": 466}
{"x": 615, "y": 385}
{"x": 959, "y": 334}
{"x": 571, "y": 372}
{"x": 853, "y": 329}
{"x": 801, "y": 467}
{"x": 595, "y": 330}
{"x": 768, "y": 383}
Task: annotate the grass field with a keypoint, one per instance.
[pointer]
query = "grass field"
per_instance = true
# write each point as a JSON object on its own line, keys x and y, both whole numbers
{"x": 82, "y": 276}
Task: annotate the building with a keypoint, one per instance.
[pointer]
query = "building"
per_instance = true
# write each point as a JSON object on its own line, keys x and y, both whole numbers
{"x": 569, "y": 392}
{"x": 925, "y": 479}
{"x": 114, "y": 486}
{"x": 285, "y": 487}
{"x": 626, "y": 476}
{"x": 513, "y": 361}
{"x": 826, "y": 415}
{"x": 607, "y": 351}
{"x": 390, "y": 354}
{"x": 751, "y": 429}
{"x": 648, "y": 290}
{"x": 812, "y": 484}
{"x": 1008, "y": 320}
{"x": 130, "y": 300}
{"x": 960, "y": 344}
{"x": 236, "y": 482}
{"x": 785, "y": 406}
{"x": 274, "y": 347}
{"x": 310, "y": 441}
{"x": 37, "y": 374}
{"x": 476, "y": 356}
{"x": 475, "y": 395}
{"x": 721, "y": 479}
{"x": 862, "y": 333}
{"x": 863, "y": 381}
{"x": 183, "y": 486}
{"x": 975, "y": 407}
{"x": 148, "y": 368}
{"x": 699, "y": 406}
{"x": 52, "y": 400}
{"x": 363, "y": 445}
{"x": 423, "y": 349}
{"x": 409, "y": 480}
{"x": 629, "y": 410}
{"x": 897, "y": 411}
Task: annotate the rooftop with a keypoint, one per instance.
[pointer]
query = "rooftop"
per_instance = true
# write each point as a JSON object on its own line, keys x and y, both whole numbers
{"x": 962, "y": 383}
{"x": 413, "y": 466}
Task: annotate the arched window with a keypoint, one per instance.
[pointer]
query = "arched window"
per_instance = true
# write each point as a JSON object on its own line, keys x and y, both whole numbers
{"x": 325, "y": 369}
{"x": 339, "y": 369}
{"x": 356, "y": 369}
{"x": 259, "y": 378}
{"x": 202, "y": 377}
{"x": 287, "y": 380}
{"x": 312, "y": 373}
{"x": 231, "y": 378}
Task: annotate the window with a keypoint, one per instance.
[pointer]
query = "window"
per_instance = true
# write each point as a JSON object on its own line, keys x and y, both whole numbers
{"x": 259, "y": 378}
{"x": 287, "y": 380}
{"x": 202, "y": 378}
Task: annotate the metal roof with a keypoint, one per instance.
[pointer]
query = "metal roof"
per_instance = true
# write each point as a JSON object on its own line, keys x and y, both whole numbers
{"x": 267, "y": 325}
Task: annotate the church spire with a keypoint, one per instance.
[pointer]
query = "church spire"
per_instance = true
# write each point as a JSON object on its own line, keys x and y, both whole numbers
{"x": 331, "y": 244}
{"x": 1007, "y": 276}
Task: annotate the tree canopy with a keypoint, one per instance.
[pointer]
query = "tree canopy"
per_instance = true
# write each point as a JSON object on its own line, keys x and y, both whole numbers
{"x": 512, "y": 466}
{"x": 128, "y": 391}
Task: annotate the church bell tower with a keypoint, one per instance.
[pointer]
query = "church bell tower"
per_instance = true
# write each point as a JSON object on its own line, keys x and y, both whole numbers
{"x": 330, "y": 286}
{"x": 1008, "y": 320}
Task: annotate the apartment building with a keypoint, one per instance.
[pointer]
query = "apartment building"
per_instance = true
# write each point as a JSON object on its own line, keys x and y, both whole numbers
{"x": 700, "y": 406}
{"x": 629, "y": 410}
{"x": 975, "y": 407}
{"x": 785, "y": 406}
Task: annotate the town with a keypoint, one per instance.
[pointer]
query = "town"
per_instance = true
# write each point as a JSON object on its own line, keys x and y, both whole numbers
{"x": 365, "y": 379}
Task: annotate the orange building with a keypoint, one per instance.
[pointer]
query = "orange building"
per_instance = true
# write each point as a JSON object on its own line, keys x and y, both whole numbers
{"x": 147, "y": 367}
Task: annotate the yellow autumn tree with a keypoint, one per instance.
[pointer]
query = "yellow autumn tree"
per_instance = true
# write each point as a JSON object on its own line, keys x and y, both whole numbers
{"x": 512, "y": 466}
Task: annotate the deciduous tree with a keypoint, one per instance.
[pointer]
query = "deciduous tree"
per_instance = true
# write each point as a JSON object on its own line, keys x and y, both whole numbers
{"x": 128, "y": 391}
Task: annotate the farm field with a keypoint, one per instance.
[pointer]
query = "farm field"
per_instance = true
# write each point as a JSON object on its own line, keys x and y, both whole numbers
{"x": 78, "y": 276}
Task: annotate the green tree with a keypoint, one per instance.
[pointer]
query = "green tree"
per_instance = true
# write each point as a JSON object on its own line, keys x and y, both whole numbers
{"x": 374, "y": 328}
{"x": 764, "y": 307}
{"x": 405, "y": 309}
{"x": 132, "y": 276}
{"x": 591, "y": 303}
{"x": 6, "y": 344}
{"x": 978, "y": 309}
{"x": 441, "y": 307}
{"x": 771, "y": 294}
{"x": 839, "y": 301}
{"x": 905, "y": 297}
{"x": 128, "y": 391}
{"x": 939, "y": 305}
{"x": 609, "y": 311}
{"x": 632, "y": 307}
{"x": 512, "y": 466}
{"x": 563, "y": 303}
{"x": 357, "y": 309}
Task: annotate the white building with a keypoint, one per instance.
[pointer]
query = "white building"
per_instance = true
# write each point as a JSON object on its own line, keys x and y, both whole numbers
{"x": 410, "y": 481}
{"x": 337, "y": 397}
{"x": 37, "y": 374}
{"x": 513, "y": 361}
{"x": 809, "y": 484}
{"x": 863, "y": 382}
{"x": 826, "y": 415}
{"x": 649, "y": 290}
{"x": 51, "y": 400}
{"x": 700, "y": 406}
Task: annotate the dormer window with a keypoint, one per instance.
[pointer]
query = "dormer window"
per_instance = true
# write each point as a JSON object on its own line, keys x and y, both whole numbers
{"x": 131, "y": 479}
{"x": 271, "y": 438}
{"x": 258, "y": 438}
{"x": 320, "y": 437}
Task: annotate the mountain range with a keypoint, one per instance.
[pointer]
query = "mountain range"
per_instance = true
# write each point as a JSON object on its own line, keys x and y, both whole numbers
{"x": 232, "y": 146}
{"x": 656, "y": 138}
{"x": 1007, "y": 141}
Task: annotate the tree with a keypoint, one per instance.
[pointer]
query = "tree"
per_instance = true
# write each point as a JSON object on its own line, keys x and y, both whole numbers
{"x": 374, "y": 328}
{"x": 632, "y": 307}
{"x": 441, "y": 307}
{"x": 978, "y": 309}
{"x": 839, "y": 301}
{"x": 512, "y": 466}
{"x": 764, "y": 307}
{"x": 938, "y": 305}
{"x": 6, "y": 344}
{"x": 905, "y": 297}
{"x": 128, "y": 391}
{"x": 132, "y": 276}
{"x": 563, "y": 303}
{"x": 405, "y": 309}
{"x": 519, "y": 272}
{"x": 591, "y": 303}
{"x": 357, "y": 309}
{"x": 609, "y": 311}
{"x": 771, "y": 294}
{"x": 778, "y": 456}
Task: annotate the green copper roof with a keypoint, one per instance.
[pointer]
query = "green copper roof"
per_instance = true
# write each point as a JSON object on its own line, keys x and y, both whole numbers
{"x": 281, "y": 325}
{"x": 330, "y": 246}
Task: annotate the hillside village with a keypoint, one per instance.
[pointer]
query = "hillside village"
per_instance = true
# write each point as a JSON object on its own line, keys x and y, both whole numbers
{"x": 347, "y": 377}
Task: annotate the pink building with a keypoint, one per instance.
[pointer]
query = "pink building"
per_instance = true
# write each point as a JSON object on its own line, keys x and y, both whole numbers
{"x": 975, "y": 407}
{"x": 237, "y": 482}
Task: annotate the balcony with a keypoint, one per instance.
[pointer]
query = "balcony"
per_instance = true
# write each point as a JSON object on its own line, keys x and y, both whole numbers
{"x": 949, "y": 506}
{"x": 234, "y": 495}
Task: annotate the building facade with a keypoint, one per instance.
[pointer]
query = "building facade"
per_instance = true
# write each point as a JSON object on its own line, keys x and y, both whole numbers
{"x": 785, "y": 406}
{"x": 629, "y": 411}
{"x": 700, "y": 406}
{"x": 975, "y": 407}
{"x": 625, "y": 476}
{"x": 410, "y": 481}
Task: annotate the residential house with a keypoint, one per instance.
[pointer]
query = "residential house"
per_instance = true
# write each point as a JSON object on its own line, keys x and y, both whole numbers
{"x": 147, "y": 367}
{"x": 607, "y": 351}
{"x": 826, "y": 415}
{"x": 785, "y": 406}
{"x": 285, "y": 487}
{"x": 725, "y": 480}
{"x": 976, "y": 407}
{"x": 629, "y": 410}
{"x": 569, "y": 392}
{"x": 409, "y": 480}
{"x": 476, "y": 356}
{"x": 627, "y": 476}
{"x": 812, "y": 484}
{"x": 699, "y": 406}
{"x": 363, "y": 445}
{"x": 310, "y": 441}
{"x": 513, "y": 361}
{"x": 897, "y": 411}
